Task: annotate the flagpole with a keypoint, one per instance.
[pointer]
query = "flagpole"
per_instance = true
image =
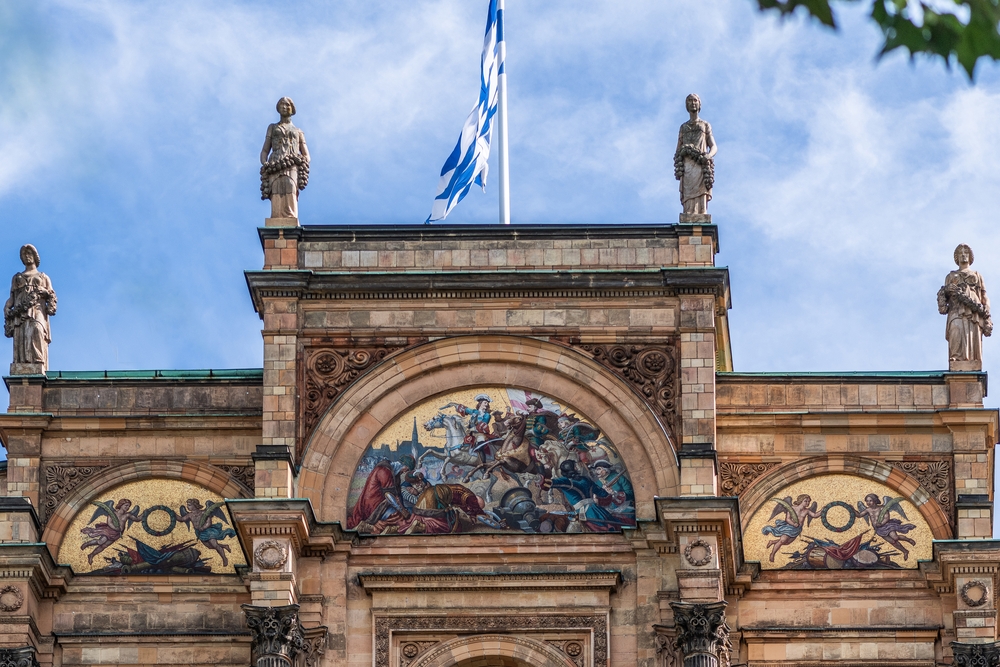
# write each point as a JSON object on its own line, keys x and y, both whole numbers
{"x": 502, "y": 116}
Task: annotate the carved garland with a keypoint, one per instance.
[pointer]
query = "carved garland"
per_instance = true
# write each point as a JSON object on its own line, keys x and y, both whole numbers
{"x": 11, "y": 598}
{"x": 490, "y": 624}
{"x": 734, "y": 478}
{"x": 934, "y": 477}
{"x": 328, "y": 371}
{"x": 984, "y": 595}
{"x": 651, "y": 370}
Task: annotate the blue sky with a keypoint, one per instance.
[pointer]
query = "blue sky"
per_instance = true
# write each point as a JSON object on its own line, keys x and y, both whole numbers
{"x": 130, "y": 133}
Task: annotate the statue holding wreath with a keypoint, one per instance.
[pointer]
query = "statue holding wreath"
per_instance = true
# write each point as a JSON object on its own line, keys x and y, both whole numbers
{"x": 963, "y": 299}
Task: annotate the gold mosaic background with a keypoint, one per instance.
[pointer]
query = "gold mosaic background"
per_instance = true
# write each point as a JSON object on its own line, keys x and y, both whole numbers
{"x": 147, "y": 493}
{"x": 824, "y": 489}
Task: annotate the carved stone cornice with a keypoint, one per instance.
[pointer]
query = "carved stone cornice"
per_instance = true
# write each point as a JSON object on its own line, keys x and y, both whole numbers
{"x": 288, "y": 518}
{"x": 651, "y": 369}
{"x": 23, "y": 656}
{"x": 976, "y": 655}
{"x": 702, "y": 634}
{"x": 936, "y": 478}
{"x": 276, "y": 637}
{"x": 705, "y": 516}
{"x": 32, "y": 562}
{"x": 735, "y": 477}
{"x": 327, "y": 372}
{"x": 513, "y": 623}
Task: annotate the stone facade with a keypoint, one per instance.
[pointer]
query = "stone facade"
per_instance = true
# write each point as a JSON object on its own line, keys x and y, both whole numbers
{"x": 306, "y": 514}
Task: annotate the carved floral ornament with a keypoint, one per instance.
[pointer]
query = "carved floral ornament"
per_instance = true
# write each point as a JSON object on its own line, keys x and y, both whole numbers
{"x": 698, "y": 553}
{"x": 270, "y": 555}
{"x": 11, "y": 598}
{"x": 980, "y": 593}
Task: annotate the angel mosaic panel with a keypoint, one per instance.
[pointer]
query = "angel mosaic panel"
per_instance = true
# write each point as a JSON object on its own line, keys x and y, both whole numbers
{"x": 490, "y": 459}
{"x": 838, "y": 522}
{"x": 156, "y": 526}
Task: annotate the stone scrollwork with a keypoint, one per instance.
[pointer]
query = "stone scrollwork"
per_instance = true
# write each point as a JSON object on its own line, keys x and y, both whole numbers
{"x": 11, "y": 598}
{"x": 60, "y": 479}
{"x": 702, "y": 634}
{"x": 734, "y": 478}
{"x": 23, "y": 656}
{"x": 276, "y": 637}
{"x": 270, "y": 555}
{"x": 975, "y": 584}
{"x": 934, "y": 477}
{"x": 976, "y": 655}
{"x": 328, "y": 371}
{"x": 650, "y": 369}
{"x": 698, "y": 553}
{"x": 244, "y": 474}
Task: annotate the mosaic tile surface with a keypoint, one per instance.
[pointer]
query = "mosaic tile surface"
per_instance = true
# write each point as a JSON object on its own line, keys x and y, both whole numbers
{"x": 490, "y": 459}
{"x": 837, "y": 522}
{"x": 153, "y": 526}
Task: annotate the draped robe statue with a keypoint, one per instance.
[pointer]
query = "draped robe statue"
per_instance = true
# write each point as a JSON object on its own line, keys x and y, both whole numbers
{"x": 26, "y": 315}
{"x": 963, "y": 298}
{"x": 284, "y": 163}
{"x": 693, "y": 163}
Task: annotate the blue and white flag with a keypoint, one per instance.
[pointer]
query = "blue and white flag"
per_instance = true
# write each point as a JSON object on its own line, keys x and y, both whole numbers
{"x": 467, "y": 164}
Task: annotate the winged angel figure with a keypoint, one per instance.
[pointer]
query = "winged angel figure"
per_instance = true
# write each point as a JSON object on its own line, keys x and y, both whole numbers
{"x": 798, "y": 515}
{"x": 200, "y": 519}
{"x": 104, "y": 534}
{"x": 878, "y": 514}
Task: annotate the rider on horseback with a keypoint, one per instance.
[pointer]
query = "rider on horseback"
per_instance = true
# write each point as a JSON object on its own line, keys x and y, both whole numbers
{"x": 479, "y": 419}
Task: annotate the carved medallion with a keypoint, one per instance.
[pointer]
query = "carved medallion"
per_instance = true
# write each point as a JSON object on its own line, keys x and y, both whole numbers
{"x": 270, "y": 555}
{"x": 11, "y": 598}
{"x": 734, "y": 478}
{"x": 698, "y": 553}
{"x": 652, "y": 372}
{"x": 980, "y": 593}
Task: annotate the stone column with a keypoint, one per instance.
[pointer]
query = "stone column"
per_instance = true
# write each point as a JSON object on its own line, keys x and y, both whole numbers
{"x": 276, "y": 635}
{"x": 976, "y": 655}
{"x": 702, "y": 634}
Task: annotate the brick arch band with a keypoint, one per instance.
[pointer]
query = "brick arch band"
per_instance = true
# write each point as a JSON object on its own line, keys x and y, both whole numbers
{"x": 404, "y": 380}
{"x": 503, "y": 649}
{"x": 203, "y": 474}
{"x": 769, "y": 485}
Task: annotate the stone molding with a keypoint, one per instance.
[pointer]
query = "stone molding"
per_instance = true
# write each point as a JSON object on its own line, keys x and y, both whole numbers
{"x": 461, "y": 645}
{"x": 488, "y": 581}
{"x": 736, "y": 476}
{"x": 652, "y": 370}
{"x": 23, "y": 656}
{"x": 976, "y": 655}
{"x": 385, "y": 626}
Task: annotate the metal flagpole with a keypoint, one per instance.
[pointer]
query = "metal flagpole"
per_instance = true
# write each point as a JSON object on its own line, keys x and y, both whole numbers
{"x": 502, "y": 116}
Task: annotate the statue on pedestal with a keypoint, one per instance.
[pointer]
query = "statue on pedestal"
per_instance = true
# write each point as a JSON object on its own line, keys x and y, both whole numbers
{"x": 693, "y": 163}
{"x": 963, "y": 298}
{"x": 285, "y": 163}
{"x": 26, "y": 315}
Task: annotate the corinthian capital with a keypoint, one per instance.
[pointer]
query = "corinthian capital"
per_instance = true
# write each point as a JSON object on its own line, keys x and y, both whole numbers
{"x": 702, "y": 634}
{"x": 276, "y": 637}
{"x": 976, "y": 655}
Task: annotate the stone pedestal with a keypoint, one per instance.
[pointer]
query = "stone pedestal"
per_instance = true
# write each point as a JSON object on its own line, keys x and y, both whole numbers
{"x": 696, "y": 218}
{"x": 959, "y": 366}
{"x": 281, "y": 222}
{"x": 27, "y": 369}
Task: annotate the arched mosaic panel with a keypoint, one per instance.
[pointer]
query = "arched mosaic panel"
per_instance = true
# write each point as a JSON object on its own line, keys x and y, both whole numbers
{"x": 153, "y": 526}
{"x": 490, "y": 459}
{"x": 834, "y": 522}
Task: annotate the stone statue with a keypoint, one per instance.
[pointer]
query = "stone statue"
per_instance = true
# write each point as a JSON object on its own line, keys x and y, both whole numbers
{"x": 963, "y": 298}
{"x": 693, "y": 163}
{"x": 26, "y": 315}
{"x": 285, "y": 161}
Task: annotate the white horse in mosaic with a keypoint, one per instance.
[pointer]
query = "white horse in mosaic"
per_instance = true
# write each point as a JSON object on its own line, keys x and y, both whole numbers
{"x": 456, "y": 453}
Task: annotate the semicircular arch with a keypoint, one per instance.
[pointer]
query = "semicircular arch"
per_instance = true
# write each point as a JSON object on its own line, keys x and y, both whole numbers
{"x": 402, "y": 381}
{"x": 202, "y": 474}
{"x": 769, "y": 485}
{"x": 478, "y": 649}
